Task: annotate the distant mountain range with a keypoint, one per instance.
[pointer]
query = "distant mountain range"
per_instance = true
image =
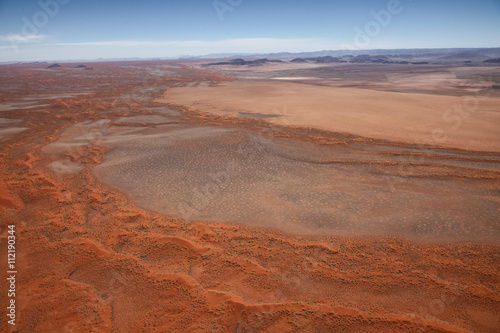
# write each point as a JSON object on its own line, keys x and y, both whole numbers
{"x": 241, "y": 62}
{"x": 404, "y": 57}
{"x": 381, "y": 55}
{"x": 475, "y": 55}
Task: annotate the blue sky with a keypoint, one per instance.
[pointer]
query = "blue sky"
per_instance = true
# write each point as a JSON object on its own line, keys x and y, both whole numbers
{"x": 89, "y": 29}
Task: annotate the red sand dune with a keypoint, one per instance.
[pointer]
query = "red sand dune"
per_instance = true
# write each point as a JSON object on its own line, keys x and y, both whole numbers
{"x": 90, "y": 260}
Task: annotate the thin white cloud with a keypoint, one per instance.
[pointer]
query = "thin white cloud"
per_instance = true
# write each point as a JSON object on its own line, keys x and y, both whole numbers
{"x": 198, "y": 47}
{"x": 151, "y": 49}
{"x": 23, "y": 38}
{"x": 243, "y": 42}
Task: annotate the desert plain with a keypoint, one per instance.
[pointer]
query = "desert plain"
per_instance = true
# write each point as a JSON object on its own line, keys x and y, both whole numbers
{"x": 189, "y": 196}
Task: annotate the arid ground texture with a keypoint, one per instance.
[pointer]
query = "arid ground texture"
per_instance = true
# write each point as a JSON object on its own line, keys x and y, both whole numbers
{"x": 176, "y": 196}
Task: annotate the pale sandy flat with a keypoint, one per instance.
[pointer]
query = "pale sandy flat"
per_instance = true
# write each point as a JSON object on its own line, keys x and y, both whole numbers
{"x": 7, "y": 133}
{"x": 295, "y": 78}
{"x": 408, "y": 117}
{"x": 269, "y": 67}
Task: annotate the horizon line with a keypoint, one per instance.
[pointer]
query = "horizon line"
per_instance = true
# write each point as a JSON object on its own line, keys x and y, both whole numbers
{"x": 223, "y": 55}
